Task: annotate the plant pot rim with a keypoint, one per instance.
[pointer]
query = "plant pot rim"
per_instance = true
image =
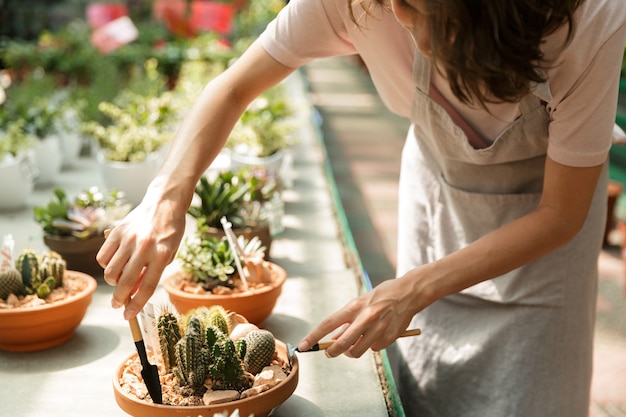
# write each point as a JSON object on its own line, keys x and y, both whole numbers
{"x": 132, "y": 405}
{"x": 275, "y": 268}
{"x": 92, "y": 284}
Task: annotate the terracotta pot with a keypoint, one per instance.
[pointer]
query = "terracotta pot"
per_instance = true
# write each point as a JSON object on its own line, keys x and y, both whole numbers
{"x": 80, "y": 254}
{"x": 255, "y": 305}
{"x": 36, "y": 328}
{"x": 260, "y": 405}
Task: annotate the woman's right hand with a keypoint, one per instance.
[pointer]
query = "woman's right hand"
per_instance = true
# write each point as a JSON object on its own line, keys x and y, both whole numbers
{"x": 139, "y": 248}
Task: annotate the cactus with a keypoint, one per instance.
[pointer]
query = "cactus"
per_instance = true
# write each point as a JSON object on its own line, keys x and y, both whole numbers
{"x": 10, "y": 282}
{"x": 52, "y": 265}
{"x": 28, "y": 265}
{"x": 226, "y": 370}
{"x": 192, "y": 357}
{"x": 260, "y": 350}
{"x": 169, "y": 334}
{"x": 40, "y": 273}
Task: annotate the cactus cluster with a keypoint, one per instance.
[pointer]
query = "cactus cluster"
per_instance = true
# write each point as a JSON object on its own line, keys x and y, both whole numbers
{"x": 33, "y": 274}
{"x": 197, "y": 349}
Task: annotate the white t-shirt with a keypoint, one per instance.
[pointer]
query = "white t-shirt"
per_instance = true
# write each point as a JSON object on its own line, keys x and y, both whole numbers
{"x": 582, "y": 77}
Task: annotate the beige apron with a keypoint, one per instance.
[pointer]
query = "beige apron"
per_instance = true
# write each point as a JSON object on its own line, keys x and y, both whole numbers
{"x": 516, "y": 345}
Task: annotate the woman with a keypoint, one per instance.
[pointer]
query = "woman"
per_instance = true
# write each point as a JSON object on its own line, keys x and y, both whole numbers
{"x": 502, "y": 190}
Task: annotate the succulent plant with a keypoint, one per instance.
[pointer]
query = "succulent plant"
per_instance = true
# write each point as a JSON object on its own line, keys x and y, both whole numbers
{"x": 260, "y": 350}
{"x": 192, "y": 356}
{"x": 226, "y": 370}
{"x": 91, "y": 211}
{"x": 210, "y": 259}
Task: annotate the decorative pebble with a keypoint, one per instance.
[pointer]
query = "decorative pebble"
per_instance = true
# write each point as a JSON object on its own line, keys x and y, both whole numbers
{"x": 219, "y": 397}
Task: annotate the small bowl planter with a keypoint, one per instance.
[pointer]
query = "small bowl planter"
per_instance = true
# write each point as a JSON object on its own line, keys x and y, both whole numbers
{"x": 26, "y": 329}
{"x": 242, "y": 368}
{"x": 256, "y": 304}
{"x": 260, "y": 405}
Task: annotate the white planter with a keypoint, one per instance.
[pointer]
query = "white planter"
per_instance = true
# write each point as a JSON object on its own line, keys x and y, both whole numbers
{"x": 49, "y": 159}
{"x": 132, "y": 178}
{"x": 17, "y": 180}
{"x": 272, "y": 163}
{"x": 71, "y": 144}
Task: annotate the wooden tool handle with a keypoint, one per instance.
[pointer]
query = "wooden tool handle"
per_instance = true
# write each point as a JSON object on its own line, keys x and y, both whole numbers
{"x": 327, "y": 344}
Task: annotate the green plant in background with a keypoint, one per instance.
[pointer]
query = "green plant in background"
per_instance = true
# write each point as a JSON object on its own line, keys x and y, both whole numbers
{"x": 14, "y": 140}
{"x": 225, "y": 195}
{"x": 138, "y": 127}
{"x": 88, "y": 215}
{"x": 265, "y": 127}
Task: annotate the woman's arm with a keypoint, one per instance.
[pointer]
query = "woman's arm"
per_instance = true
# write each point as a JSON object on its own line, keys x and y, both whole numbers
{"x": 145, "y": 242}
{"x": 375, "y": 319}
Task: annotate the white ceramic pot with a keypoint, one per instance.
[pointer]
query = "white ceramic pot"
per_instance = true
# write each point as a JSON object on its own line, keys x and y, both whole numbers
{"x": 71, "y": 144}
{"x": 49, "y": 159}
{"x": 132, "y": 178}
{"x": 17, "y": 178}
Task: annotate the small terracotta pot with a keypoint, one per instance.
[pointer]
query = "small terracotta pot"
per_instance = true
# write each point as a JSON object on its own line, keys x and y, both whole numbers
{"x": 260, "y": 405}
{"x": 79, "y": 254}
{"x": 255, "y": 305}
{"x": 36, "y": 328}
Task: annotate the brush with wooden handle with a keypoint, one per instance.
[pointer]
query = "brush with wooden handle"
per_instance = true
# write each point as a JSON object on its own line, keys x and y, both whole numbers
{"x": 291, "y": 350}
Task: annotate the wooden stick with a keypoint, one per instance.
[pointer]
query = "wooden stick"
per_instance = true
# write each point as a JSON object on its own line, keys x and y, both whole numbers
{"x": 325, "y": 345}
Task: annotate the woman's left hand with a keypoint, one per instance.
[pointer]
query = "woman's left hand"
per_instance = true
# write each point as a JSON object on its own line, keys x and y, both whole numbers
{"x": 373, "y": 320}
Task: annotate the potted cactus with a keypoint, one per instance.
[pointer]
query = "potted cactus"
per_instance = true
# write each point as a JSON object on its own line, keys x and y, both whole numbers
{"x": 41, "y": 302}
{"x": 75, "y": 228}
{"x": 208, "y": 273}
{"x": 210, "y": 361}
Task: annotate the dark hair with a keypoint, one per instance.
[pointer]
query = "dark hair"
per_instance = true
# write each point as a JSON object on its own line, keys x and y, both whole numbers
{"x": 489, "y": 50}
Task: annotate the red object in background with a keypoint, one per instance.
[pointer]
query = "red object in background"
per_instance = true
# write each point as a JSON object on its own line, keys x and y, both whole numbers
{"x": 99, "y": 14}
{"x": 209, "y": 16}
{"x": 173, "y": 13}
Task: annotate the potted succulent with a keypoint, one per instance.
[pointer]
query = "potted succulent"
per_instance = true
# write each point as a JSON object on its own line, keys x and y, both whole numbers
{"x": 75, "y": 228}
{"x": 210, "y": 273}
{"x": 240, "y": 197}
{"x": 263, "y": 132}
{"x": 210, "y": 361}
{"x": 133, "y": 143}
{"x": 41, "y": 302}
{"x": 18, "y": 168}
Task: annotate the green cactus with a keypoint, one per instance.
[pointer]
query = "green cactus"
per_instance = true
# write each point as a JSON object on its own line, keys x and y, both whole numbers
{"x": 169, "y": 334}
{"x": 260, "y": 350}
{"x": 192, "y": 357}
{"x": 10, "y": 282}
{"x": 28, "y": 265}
{"x": 226, "y": 370}
{"x": 52, "y": 265}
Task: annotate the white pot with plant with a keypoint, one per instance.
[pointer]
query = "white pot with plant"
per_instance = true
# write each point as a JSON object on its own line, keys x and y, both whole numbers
{"x": 131, "y": 149}
{"x": 18, "y": 168}
{"x": 263, "y": 133}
